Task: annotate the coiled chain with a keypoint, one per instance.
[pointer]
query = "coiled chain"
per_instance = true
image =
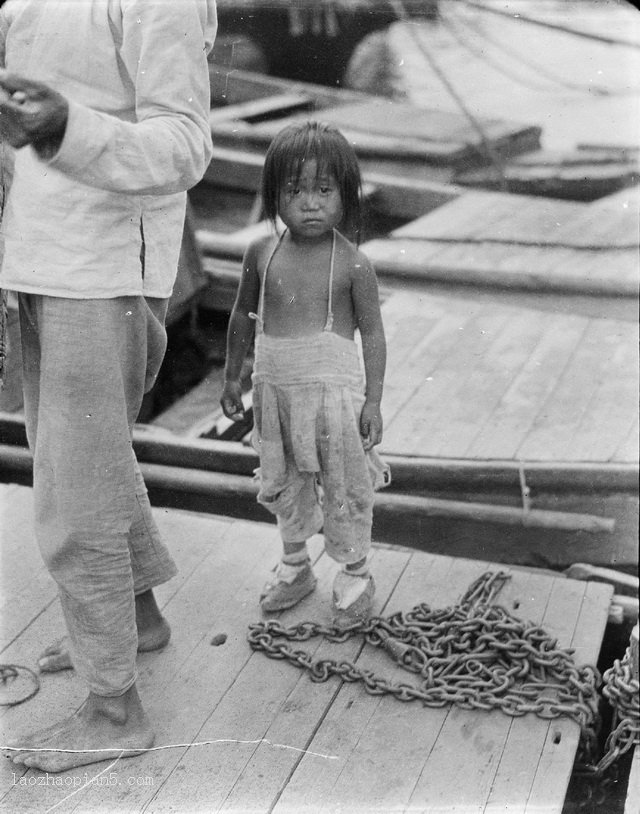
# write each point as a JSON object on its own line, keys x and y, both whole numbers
{"x": 475, "y": 655}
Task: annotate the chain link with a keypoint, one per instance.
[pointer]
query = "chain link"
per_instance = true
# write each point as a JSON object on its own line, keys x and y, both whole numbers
{"x": 622, "y": 691}
{"x": 475, "y": 655}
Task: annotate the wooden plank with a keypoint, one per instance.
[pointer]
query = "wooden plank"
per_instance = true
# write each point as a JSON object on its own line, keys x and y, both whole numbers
{"x": 180, "y": 688}
{"x": 280, "y": 103}
{"x": 234, "y": 244}
{"x": 407, "y": 197}
{"x": 397, "y": 119}
{"x": 184, "y": 414}
{"x": 234, "y": 168}
{"x": 516, "y": 770}
{"x": 582, "y": 631}
{"x": 467, "y": 783}
{"x": 632, "y": 803}
{"x": 271, "y": 733}
{"x": 62, "y": 693}
{"x": 367, "y": 143}
{"x": 428, "y": 334}
{"x": 261, "y": 782}
{"x": 358, "y": 722}
{"x": 429, "y": 402}
{"x": 613, "y": 408}
{"x": 387, "y": 765}
{"x": 239, "y": 715}
{"x": 489, "y": 379}
{"x": 615, "y": 227}
{"x": 614, "y": 272}
{"x": 494, "y": 215}
{"x": 470, "y": 214}
{"x": 30, "y": 587}
{"x": 627, "y": 451}
{"x": 197, "y": 413}
{"x": 269, "y": 700}
{"x": 555, "y": 422}
{"x": 494, "y": 264}
{"x": 502, "y": 433}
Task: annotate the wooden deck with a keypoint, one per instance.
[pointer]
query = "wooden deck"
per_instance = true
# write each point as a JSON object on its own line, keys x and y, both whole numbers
{"x": 242, "y": 733}
{"x": 520, "y": 241}
{"x": 472, "y": 377}
{"x": 248, "y": 109}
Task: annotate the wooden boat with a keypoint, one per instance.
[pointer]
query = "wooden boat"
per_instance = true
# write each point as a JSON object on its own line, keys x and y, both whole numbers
{"x": 585, "y": 174}
{"x": 390, "y": 137}
{"x": 402, "y": 140}
{"x": 307, "y": 40}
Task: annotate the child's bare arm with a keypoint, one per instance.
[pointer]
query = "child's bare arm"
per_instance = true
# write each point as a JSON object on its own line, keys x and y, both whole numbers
{"x": 239, "y": 335}
{"x": 374, "y": 349}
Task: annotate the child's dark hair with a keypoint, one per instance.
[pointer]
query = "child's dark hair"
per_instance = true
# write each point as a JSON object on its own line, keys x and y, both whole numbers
{"x": 305, "y": 141}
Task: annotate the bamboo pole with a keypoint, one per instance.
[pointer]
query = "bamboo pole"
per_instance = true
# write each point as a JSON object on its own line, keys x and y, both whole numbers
{"x": 226, "y": 487}
{"x": 410, "y": 474}
{"x": 489, "y": 513}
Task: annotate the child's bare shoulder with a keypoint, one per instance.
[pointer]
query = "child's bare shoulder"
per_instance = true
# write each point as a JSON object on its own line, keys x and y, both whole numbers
{"x": 259, "y": 250}
{"x": 354, "y": 259}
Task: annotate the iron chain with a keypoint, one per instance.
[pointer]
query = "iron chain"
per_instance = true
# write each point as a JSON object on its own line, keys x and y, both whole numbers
{"x": 475, "y": 655}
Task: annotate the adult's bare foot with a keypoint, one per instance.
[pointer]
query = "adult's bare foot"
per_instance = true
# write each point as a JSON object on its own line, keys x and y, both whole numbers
{"x": 104, "y": 728}
{"x": 154, "y": 633}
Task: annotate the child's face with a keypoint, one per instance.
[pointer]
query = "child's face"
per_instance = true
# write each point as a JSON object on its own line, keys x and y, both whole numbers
{"x": 310, "y": 205}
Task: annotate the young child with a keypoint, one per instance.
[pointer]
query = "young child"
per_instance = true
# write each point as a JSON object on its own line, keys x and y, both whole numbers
{"x": 316, "y": 419}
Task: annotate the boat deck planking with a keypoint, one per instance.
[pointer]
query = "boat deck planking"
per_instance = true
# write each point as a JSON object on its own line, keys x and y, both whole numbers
{"x": 500, "y": 239}
{"x": 412, "y": 139}
{"x": 578, "y": 174}
{"x": 484, "y": 380}
{"x": 276, "y": 741}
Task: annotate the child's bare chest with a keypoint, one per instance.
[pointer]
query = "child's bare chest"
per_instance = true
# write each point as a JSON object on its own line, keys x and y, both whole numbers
{"x": 286, "y": 286}
{"x": 297, "y": 297}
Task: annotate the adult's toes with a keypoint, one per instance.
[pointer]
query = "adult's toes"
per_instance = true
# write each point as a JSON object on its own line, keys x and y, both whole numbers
{"x": 54, "y": 662}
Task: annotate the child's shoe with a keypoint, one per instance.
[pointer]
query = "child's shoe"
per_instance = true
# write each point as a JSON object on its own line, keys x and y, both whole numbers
{"x": 289, "y": 585}
{"x": 352, "y": 598}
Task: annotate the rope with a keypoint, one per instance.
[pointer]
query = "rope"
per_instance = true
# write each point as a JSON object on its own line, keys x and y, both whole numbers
{"x": 555, "y": 26}
{"x": 9, "y": 673}
{"x": 500, "y": 241}
{"x": 538, "y": 68}
{"x": 491, "y": 154}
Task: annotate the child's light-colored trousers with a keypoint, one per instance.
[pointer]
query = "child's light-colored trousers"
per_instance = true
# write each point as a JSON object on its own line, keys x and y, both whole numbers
{"x": 86, "y": 367}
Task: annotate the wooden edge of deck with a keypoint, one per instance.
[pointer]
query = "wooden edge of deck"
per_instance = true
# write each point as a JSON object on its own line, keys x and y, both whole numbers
{"x": 159, "y": 446}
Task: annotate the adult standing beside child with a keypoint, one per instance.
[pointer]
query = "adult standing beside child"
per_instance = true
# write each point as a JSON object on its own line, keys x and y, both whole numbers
{"x": 106, "y": 103}
{"x": 317, "y": 418}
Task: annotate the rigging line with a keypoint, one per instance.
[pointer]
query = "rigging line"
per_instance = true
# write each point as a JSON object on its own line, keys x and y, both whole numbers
{"x": 186, "y": 745}
{"x": 479, "y": 53}
{"x": 537, "y": 67}
{"x": 82, "y": 788}
{"x": 515, "y": 16}
{"x": 492, "y": 155}
{"x": 499, "y": 241}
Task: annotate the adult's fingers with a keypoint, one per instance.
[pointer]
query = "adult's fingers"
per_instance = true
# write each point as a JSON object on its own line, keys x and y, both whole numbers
{"x": 13, "y": 83}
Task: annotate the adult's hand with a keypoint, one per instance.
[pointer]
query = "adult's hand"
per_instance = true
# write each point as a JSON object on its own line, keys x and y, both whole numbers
{"x": 31, "y": 112}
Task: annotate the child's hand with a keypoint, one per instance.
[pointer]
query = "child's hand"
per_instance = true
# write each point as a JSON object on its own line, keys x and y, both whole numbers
{"x": 231, "y": 401}
{"x": 370, "y": 425}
